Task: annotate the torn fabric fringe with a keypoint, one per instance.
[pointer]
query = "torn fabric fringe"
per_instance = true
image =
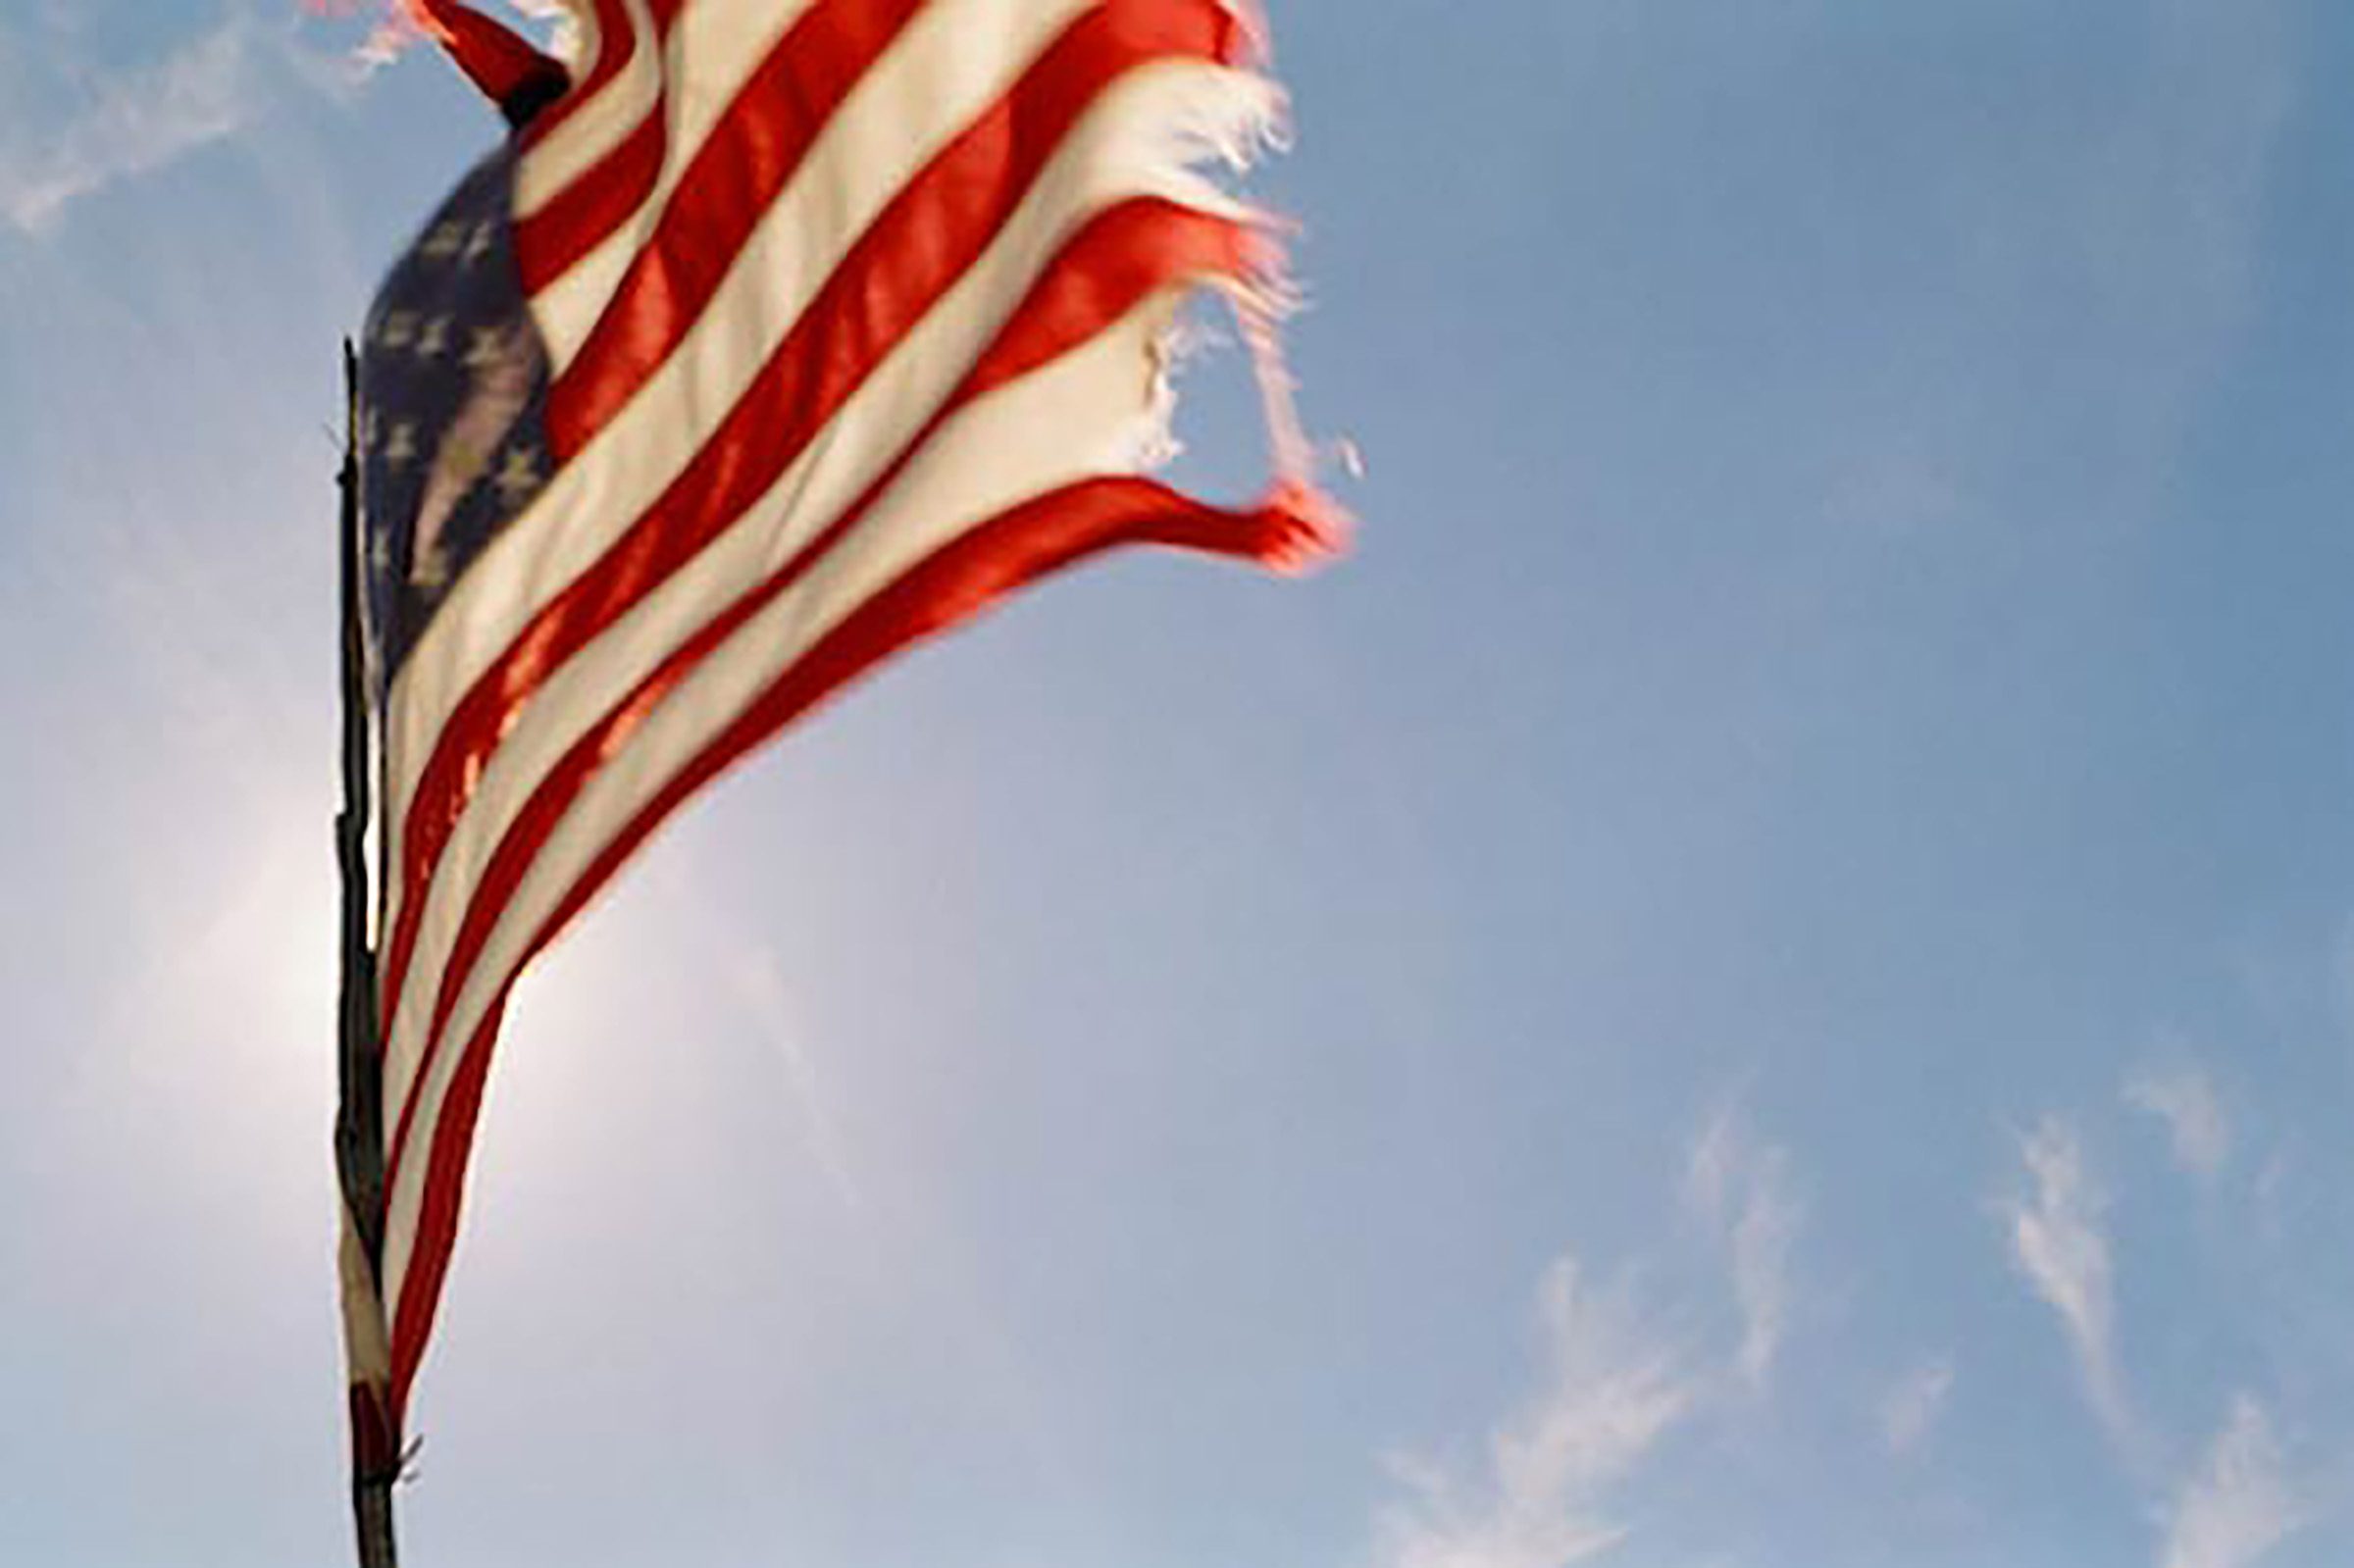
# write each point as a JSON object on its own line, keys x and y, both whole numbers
{"x": 1237, "y": 130}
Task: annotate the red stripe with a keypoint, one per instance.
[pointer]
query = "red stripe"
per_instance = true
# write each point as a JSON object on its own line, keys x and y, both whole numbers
{"x": 1116, "y": 260}
{"x": 751, "y": 151}
{"x": 950, "y": 586}
{"x": 891, "y": 277}
{"x": 438, "y": 1214}
{"x": 616, "y": 43}
{"x": 588, "y": 211}
{"x": 767, "y": 133}
{"x": 1126, "y": 254}
{"x": 601, "y": 198}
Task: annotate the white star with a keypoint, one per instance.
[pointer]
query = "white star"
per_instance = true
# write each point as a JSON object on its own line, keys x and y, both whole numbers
{"x": 444, "y": 242}
{"x": 464, "y": 454}
{"x": 519, "y": 476}
{"x": 489, "y": 347}
{"x": 478, "y": 245}
{"x": 398, "y": 329}
{"x": 435, "y": 339}
{"x": 401, "y": 450}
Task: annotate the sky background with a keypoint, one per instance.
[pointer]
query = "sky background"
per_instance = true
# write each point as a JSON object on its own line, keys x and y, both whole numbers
{"x": 1763, "y": 978}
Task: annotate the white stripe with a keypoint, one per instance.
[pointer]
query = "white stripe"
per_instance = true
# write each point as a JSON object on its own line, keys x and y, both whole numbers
{"x": 1126, "y": 146}
{"x": 1093, "y": 412}
{"x": 715, "y": 47}
{"x": 591, "y": 130}
{"x": 933, "y": 82}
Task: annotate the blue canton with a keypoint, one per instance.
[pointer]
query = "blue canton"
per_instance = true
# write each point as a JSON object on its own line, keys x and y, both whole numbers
{"x": 453, "y": 395}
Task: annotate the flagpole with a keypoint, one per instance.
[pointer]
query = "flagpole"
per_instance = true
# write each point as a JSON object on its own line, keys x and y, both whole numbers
{"x": 359, "y": 1143}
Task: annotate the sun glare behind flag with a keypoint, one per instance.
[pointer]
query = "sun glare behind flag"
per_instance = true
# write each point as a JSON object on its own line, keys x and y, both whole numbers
{"x": 781, "y": 334}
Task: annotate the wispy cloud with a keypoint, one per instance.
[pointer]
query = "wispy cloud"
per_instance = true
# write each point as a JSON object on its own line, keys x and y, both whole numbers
{"x": 1914, "y": 1405}
{"x": 2059, "y": 1242}
{"x": 1611, "y": 1394}
{"x": 2238, "y": 1505}
{"x": 1613, "y": 1387}
{"x": 129, "y": 124}
{"x": 757, "y": 981}
{"x": 1742, "y": 1190}
{"x": 2183, "y": 1097}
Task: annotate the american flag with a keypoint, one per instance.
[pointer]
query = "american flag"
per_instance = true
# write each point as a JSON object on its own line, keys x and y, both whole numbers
{"x": 781, "y": 334}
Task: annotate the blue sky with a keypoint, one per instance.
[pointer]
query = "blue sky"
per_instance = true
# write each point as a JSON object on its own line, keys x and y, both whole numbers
{"x": 1763, "y": 978}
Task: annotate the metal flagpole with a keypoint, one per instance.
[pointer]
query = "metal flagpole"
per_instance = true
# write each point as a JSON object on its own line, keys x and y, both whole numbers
{"x": 359, "y": 1142}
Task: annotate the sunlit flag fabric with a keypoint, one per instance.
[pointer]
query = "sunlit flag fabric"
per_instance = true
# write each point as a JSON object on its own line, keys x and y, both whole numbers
{"x": 781, "y": 334}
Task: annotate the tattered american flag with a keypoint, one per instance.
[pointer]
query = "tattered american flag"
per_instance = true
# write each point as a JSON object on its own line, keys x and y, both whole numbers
{"x": 780, "y": 334}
